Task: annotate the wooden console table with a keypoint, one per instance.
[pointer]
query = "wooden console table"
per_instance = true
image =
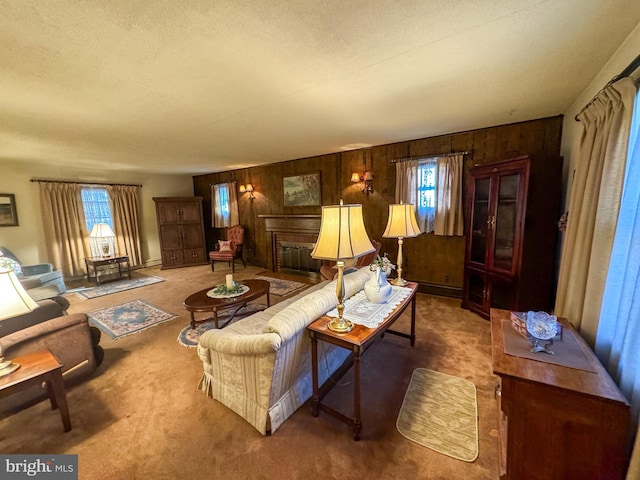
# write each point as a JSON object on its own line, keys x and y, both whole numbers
{"x": 34, "y": 369}
{"x": 357, "y": 341}
{"x": 557, "y": 421}
{"x": 93, "y": 264}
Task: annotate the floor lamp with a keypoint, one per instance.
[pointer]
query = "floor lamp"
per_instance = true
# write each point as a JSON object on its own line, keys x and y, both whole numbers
{"x": 14, "y": 301}
{"x": 342, "y": 236}
{"x": 401, "y": 224}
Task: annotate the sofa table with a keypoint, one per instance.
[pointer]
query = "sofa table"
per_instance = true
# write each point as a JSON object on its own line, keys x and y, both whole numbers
{"x": 35, "y": 368}
{"x": 357, "y": 341}
{"x": 94, "y": 263}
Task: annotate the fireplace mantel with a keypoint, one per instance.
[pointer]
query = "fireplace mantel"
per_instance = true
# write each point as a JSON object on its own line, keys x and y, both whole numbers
{"x": 289, "y": 228}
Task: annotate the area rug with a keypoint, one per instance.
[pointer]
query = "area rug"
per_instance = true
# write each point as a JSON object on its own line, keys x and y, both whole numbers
{"x": 128, "y": 318}
{"x": 440, "y": 412}
{"x": 118, "y": 286}
{"x": 189, "y": 337}
{"x": 282, "y": 287}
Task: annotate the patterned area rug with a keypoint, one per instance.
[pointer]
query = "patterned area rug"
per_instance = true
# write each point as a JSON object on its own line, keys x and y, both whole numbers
{"x": 440, "y": 412}
{"x": 118, "y": 286}
{"x": 282, "y": 287}
{"x": 128, "y": 318}
{"x": 188, "y": 337}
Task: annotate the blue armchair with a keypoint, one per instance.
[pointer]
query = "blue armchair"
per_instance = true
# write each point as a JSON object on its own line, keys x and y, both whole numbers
{"x": 36, "y": 276}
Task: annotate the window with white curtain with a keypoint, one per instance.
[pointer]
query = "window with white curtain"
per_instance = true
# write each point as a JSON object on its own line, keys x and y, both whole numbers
{"x": 97, "y": 210}
{"x": 221, "y": 207}
{"x": 426, "y": 195}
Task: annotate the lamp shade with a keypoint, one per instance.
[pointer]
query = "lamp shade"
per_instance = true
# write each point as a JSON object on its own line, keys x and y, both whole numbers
{"x": 342, "y": 234}
{"x": 14, "y": 300}
{"x": 402, "y": 222}
{"x": 101, "y": 230}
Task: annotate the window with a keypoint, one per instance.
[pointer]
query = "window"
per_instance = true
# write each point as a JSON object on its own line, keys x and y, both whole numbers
{"x": 221, "y": 205}
{"x": 426, "y": 201}
{"x": 95, "y": 202}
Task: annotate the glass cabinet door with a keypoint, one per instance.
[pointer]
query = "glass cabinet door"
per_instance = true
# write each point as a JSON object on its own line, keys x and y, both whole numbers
{"x": 505, "y": 221}
{"x": 480, "y": 221}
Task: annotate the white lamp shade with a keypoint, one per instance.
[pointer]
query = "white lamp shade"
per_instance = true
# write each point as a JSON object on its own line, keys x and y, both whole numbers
{"x": 101, "y": 230}
{"x": 14, "y": 300}
{"x": 342, "y": 234}
{"x": 402, "y": 222}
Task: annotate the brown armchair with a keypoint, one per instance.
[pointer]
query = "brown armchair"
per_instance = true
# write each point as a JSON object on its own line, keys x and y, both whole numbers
{"x": 328, "y": 272}
{"x": 69, "y": 337}
{"x": 230, "y": 249}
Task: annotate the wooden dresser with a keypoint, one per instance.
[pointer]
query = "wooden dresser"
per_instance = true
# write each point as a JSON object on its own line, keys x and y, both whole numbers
{"x": 181, "y": 231}
{"x": 558, "y": 422}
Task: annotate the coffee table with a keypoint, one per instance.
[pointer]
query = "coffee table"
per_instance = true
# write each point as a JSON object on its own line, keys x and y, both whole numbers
{"x": 226, "y": 308}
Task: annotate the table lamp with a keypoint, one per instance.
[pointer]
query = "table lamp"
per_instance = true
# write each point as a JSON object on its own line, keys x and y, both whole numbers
{"x": 342, "y": 236}
{"x": 401, "y": 224}
{"x": 14, "y": 301}
{"x": 103, "y": 234}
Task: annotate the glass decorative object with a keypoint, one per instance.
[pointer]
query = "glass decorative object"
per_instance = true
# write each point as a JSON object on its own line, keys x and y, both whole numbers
{"x": 542, "y": 327}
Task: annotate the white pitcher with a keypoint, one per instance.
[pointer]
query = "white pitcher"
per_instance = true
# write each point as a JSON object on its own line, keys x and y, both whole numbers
{"x": 377, "y": 289}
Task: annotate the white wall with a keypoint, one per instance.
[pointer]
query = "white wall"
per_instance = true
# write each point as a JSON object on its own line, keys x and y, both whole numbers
{"x": 27, "y": 240}
{"x": 571, "y": 130}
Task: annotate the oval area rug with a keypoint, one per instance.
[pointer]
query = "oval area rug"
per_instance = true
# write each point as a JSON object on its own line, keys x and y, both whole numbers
{"x": 188, "y": 337}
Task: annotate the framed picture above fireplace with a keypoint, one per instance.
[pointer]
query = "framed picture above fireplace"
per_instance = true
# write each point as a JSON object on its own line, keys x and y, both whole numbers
{"x": 302, "y": 190}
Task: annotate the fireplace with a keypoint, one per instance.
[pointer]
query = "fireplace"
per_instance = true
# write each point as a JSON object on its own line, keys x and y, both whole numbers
{"x": 292, "y": 238}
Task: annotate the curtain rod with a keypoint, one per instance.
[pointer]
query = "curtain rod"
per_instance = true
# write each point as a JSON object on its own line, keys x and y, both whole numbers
{"x": 431, "y": 155}
{"x": 629, "y": 69}
{"x": 85, "y": 183}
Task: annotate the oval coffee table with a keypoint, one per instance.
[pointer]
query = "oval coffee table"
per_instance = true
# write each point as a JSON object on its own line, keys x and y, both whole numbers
{"x": 225, "y": 308}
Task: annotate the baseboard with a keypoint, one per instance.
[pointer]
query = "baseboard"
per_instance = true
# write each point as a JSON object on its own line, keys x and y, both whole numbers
{"x": 440, "y": 290}
{"x": 152, "y": 263}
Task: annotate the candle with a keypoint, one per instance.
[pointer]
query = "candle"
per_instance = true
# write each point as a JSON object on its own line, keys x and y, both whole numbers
{"x": 229, "y": 281}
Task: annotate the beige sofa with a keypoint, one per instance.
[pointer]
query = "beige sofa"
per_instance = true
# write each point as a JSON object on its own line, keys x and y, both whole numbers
{"x": 260, "y": 366}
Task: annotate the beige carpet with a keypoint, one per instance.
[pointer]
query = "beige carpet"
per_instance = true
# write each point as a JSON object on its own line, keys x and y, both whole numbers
{"x": 141, "y": 415}
{"x": 440, "y": 412}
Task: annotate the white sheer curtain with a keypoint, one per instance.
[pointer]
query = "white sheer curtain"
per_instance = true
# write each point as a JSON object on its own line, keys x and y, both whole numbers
{"x": 618, "y": 335}
{"x": 449, "y": 219}
{"x": 594, "y": 205}
{"x": 224, "y": 205}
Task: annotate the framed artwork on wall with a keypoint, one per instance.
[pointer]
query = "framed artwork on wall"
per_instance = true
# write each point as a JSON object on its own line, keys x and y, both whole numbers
{"x": 8, "y": 212}
{"x": 302, "y": 190}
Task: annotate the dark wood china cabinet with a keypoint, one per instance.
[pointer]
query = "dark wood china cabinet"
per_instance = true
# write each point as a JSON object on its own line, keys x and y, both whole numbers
{"x": 512, "y": 208}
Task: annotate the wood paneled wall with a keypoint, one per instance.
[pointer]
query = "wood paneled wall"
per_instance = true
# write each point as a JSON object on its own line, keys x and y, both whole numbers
{"x": 435, "y": 262}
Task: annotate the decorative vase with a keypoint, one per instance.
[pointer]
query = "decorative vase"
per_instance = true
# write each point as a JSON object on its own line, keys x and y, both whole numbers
{"x": 377, "y": 289}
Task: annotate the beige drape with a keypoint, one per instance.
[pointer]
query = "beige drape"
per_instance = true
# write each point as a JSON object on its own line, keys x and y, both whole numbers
{"x": 449, "y": 218}
{"x": 224, "y": 214}
{"x": 593, "y": 206}
{"x": 407, "y": 182}
{"x": 64, "y": 227}
{"x": 125, "y": 203}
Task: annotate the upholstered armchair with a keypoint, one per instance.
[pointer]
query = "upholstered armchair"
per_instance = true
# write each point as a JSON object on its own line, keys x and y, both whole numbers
{"x": 328, "y": 272}
{"x": 230, "y": 249}
{"x": 69, "y": 337}
{"x": 33, "y": 276}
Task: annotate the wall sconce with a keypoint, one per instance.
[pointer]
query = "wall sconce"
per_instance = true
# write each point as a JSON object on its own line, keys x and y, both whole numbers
{"x": 248, "y": 188}
{"x": 366, "y": 180}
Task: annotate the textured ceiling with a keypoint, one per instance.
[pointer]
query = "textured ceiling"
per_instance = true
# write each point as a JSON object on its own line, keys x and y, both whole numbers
{"x": 202, "y": 86}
